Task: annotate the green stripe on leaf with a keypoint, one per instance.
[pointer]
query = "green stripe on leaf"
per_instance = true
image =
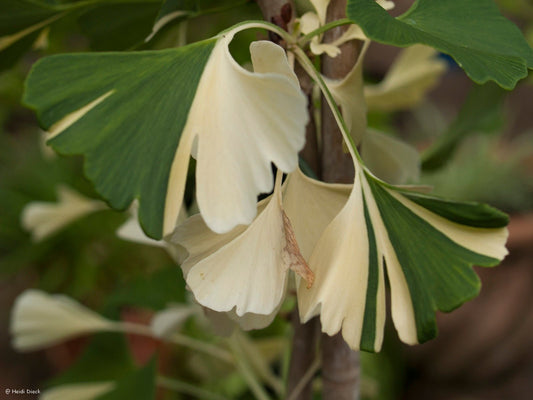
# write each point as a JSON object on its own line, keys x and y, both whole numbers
{"x": 466, "y": 213}
{"x": 428, "y": 245}
{"x": 368, "y": 335}
{"x": 437, "y": 270}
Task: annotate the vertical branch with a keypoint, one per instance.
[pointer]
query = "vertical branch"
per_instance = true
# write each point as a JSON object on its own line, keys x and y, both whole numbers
{"x": 340, "y": 365}
{"x": 304, "y": 345}
{"x": 337, "y": 166}
{"x": 310, "y": 152}
{"x": 340, "y": 369}
{"x": 305, "y": 337}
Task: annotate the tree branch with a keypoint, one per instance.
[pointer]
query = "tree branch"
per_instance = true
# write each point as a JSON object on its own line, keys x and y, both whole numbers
{"x": 337, "y": 166}
{"x": 305, "y": 336}
{"x": 310, "y": 152}
{"x": 340, "y": 365}
{"x": 304, "y": 345}
{"x": 340, "y": 369}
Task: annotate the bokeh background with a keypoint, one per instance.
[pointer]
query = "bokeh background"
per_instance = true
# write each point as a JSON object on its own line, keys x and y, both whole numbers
{"x": 485, "y": 348}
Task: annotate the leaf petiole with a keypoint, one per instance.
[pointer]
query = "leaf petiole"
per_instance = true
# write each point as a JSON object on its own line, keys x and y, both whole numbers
{"x": 286, "y": 36}
{"x": 330, "y": 25}
{"x": 308, "y": 66}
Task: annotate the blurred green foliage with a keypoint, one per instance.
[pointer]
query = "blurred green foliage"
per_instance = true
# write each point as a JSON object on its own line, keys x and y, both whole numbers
{"x": 86, "y": 260}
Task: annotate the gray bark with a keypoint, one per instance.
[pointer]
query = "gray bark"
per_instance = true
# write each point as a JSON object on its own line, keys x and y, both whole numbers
{"x": 340, "y": 365}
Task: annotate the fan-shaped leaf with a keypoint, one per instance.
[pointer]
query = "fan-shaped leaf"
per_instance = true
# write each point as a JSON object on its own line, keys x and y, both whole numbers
{"x": 485, "y": 44}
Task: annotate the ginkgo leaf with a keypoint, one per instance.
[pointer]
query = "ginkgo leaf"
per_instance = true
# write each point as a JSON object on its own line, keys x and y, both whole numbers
{"x": 172, "y": 11}
{"x": 481, "y": 112}
{"x": 79, "y": 391}
{"x": 165, "y": 322}
{"x": 111, "y": 24}
{"x": 415, "y": 71}
{"x": 244, "y": 261}
{"x": 22, "y": 17}
{"x": 136, "y": 115}
{"x": 348, "y": 93}
{"x": 485, "y": 44}
{"x": 21, "y": 21}
{"x": 310, "y": 206}
{"x": 44, "y": 219}
{"x": 308, "y": 23}
{"x": 387, "y": 5}
{"x": 429, "y": 246}
{"x": 321, "y": 7}
{"x": 244, "y": 270}
{"x": 347, "y": 271}
{"x": 390, "y": 159}
{"x": 132, "y": 231}
{"x": 39, "y": 320}
{"x": 119, "y": 25}
{"x": 429, "y": 250}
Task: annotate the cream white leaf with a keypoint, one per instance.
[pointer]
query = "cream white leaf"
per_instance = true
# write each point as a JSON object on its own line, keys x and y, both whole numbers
{"x": 78, "y": 391}
{"x": 167, "y": 321}
{"x": 387, "y": 5}
{"x": 244, "y": 122}
{"x": 132, "y": 231}
{"x": 311, "y": 205}
{"x": 349, "y": 95}
{"x": 241, "y": 122}
{"x": 410, "y": 77}
{"x": 429, "y": 246}
{"x": 340, "y": 262}
{"x": 309, "y": 22}
{"x": 321, "y": 7}
{"x": 39, "y": 320}
{"x": 44, "y": 219}
{"x": 244, "y": 270}
{"x": 390, "y": 159}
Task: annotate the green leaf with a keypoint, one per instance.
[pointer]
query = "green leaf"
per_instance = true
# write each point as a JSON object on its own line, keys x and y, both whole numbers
{"x": 171, "y": 13}
{"x": 139, "y": 385}
{"x": 485, "y": 44}
{"x": 136, "y": 117}
{"x": 21, "y": 21}
{"x": 128, "y": 24}
{"x": 18, "y": 15}
{"x": 426, "y": 245}
{"x": 110, "y": 25}
{"x": 119, "y": 26}
{"x": 478, "y": 172}
{"x": 130, "y": 139}
{"x": 435, "y": 251}
{"x": 481, "y": 111}
{"x": 12, "y": 53}
{"x": 476, "y": 215}
{"x": 368, "y": 334}
{"x": 173, "y": 8}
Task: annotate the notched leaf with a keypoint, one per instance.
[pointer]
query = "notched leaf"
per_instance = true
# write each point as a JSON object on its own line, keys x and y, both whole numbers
{"x": 483, "y": 42}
